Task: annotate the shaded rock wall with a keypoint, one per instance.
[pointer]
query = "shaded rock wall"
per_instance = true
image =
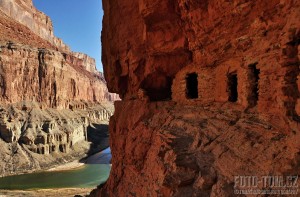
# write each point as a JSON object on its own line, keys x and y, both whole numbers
{"x": 172, "y": 35}
{"x": 169, "y": 149}
{"x": 225, "y": 74}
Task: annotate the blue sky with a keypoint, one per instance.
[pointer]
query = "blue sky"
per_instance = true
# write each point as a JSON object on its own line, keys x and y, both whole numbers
{"x": 77, "y": 22}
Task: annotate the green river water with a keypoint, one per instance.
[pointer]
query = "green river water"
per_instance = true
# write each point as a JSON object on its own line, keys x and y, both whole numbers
{"x": 87, "y": 176}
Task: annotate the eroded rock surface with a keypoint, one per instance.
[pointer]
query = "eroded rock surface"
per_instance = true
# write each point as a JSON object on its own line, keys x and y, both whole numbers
{"x": 40, "y": 24}
{"x": 210, "y": 91}
{"x": 32, "y": 138}
{"x": 47, "y": 76}
{"x": 169, "y": 149}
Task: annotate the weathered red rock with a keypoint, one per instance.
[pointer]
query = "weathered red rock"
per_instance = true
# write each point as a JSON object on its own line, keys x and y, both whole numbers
{"x": 37, "y": 66}
{"x": 209, "y": 92}
{"x": 46, "y": 76}
{"x": 40, "y": 24}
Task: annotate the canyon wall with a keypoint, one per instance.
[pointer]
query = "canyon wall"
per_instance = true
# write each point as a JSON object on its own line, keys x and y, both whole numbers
{"x": 173, "y": 39}
{"x": 209, "y": 90}
{"x": 56, "y": 75}
{"x": 33, "y": 138}
{"x": 40, "y": 24}
{"x": 88, "y": 62}
{"x": 50, "y": 77}
{"x": 51, "y": 99}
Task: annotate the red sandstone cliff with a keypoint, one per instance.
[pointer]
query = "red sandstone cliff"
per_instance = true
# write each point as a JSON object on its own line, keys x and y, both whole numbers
{"x": 35, "y": 66}
{"x": 46, "y": 76}
{"x": 26, "y": 14}
{"x": 50, "y": 97}
{"x": 210, "y": 92}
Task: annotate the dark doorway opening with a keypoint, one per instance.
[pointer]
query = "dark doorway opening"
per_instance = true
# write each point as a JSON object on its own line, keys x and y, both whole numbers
{"x": 254, "y": 80}
{"x": 232, "y": 87}
{"x": 158, "y": 86}
{"x": 192, "y": 86}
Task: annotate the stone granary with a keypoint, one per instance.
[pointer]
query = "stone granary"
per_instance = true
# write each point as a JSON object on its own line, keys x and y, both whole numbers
{"x": 246, "y": 83}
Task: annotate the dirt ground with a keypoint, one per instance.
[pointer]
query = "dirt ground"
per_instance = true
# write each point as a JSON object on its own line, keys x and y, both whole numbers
{"x": 66, "y": 192}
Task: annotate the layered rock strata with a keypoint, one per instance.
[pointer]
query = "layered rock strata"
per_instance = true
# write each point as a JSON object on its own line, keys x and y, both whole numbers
{"x": 50, "y": 77}
{"x": 51, "y": 99}
{"x": 33, "y": 138}
{"x": 210, "y": 91}
{"x": 88, "y": 62}
{"x": 40, "y": 24}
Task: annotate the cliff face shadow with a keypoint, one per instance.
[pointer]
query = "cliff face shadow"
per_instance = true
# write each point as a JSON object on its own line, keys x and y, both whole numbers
{"x": 98, "y": 135}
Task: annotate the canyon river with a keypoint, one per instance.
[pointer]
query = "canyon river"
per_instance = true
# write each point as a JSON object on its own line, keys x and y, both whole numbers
{"x": 94, "y": 172}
